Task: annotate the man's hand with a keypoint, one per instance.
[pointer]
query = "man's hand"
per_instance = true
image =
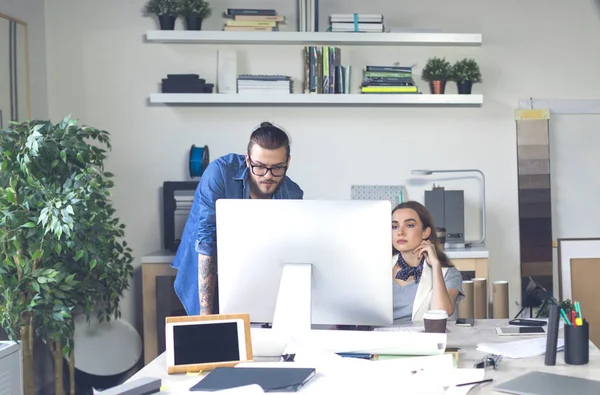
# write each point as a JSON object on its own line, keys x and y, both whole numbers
{"x": 207, "y": 281}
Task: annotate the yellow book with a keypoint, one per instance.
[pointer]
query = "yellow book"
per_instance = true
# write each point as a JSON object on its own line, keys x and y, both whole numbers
{"x": 252, "y": 23}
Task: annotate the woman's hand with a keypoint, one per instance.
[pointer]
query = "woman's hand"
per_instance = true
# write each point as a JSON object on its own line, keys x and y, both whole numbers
{"x": 427, "y": 249}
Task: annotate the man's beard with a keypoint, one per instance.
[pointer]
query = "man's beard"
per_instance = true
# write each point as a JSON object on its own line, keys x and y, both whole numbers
{"x": 256, "y": 191}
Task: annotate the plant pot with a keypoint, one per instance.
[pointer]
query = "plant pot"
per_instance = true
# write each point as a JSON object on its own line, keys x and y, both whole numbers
{"x": 167, "y": 22}
{"x": 193, "y": 22}
{"x": 437, "y": 87}
{"x": 464, "y": 87}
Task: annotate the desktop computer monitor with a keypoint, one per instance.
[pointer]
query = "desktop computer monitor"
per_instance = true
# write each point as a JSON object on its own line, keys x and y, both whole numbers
{"x": 301, "y": 262}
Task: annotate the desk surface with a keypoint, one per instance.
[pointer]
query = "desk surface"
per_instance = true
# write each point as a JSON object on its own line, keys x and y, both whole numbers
{"x": 463, "y": 337}
{"x": 475, "y": 252}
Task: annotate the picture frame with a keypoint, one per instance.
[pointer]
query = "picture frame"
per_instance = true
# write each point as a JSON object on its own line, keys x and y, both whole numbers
{"x": 573, "y": 248}
{"x": 578, "y": 271}
{"x": 185, "y": 335}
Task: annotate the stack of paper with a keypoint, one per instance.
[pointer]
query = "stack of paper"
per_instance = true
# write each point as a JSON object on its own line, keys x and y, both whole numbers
{"x": 431, "y": 375}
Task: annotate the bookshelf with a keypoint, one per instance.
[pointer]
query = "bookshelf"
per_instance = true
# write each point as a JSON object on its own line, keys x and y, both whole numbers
{"x": 313, "y": 38}
{"x": 317, "y": 99}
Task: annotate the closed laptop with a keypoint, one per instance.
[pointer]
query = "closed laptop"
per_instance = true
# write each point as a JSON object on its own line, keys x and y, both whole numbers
{"x": 270, "y": 379}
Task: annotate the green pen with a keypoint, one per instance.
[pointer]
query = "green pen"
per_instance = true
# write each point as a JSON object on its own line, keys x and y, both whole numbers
{"x": 579, "y": 319}
{"x": 564, "y": 316}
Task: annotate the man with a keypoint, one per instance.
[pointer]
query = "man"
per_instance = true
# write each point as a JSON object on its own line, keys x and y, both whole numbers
{"x": 260, "y": 174}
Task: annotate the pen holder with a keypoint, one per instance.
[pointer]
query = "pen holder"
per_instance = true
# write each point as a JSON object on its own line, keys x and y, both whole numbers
{"x": 577, "y": 344}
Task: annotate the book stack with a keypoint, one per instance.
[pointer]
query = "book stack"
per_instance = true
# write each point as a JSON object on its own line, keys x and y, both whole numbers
{"x": 388, "y": 79}
{"x": 248, "y": 83}
{"x": 323, "y": 71}
{"x": 185, "y": 83}
{"x": 364, "y": 23}
{"x": 252, "y": 20}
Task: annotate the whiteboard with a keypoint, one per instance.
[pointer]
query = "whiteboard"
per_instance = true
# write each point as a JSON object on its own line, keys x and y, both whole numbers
{"x": 575, "y": 175}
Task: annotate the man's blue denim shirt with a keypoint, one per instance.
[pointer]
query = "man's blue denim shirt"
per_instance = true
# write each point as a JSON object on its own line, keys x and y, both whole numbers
{"x": 224, "y": 178}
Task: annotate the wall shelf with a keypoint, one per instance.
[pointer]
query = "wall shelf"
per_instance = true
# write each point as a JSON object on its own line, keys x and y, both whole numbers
{"x": 313, "y": 38}
{"x": 317, "y": 99}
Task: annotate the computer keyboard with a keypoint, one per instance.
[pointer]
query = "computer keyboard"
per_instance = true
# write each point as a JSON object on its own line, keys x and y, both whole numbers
{"x": 401, "y": 329}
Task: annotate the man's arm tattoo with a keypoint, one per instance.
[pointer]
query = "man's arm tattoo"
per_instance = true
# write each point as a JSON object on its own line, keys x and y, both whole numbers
{"x": 206, "y": 283}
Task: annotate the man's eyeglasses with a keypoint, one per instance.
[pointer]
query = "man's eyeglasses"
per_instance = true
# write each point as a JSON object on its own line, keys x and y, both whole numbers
{"x": 261, "y": 171}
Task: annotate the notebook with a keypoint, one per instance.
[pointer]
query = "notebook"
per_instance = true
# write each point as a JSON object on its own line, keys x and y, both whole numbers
{"x": 270, "y": 379}
{"x": 538, "y": 383}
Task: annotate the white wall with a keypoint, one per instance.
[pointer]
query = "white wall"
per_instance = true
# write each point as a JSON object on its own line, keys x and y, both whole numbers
{"x": 32, "y": 13}
{"x": 101, "y": 71}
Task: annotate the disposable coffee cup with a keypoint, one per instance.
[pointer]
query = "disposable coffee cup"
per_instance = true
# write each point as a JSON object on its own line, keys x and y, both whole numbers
{"x": 435, "y": 321}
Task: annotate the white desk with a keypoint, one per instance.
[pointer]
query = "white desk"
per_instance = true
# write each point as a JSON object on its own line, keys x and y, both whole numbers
{"x": 465, "y": 338}
{"x": 158, "y": 263}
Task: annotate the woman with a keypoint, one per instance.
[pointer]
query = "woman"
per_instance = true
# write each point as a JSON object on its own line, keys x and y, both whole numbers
{"x": 423, "y": 277}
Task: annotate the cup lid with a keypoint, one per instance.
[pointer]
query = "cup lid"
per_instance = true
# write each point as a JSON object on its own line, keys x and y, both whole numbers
{"x": 435, "y": 314}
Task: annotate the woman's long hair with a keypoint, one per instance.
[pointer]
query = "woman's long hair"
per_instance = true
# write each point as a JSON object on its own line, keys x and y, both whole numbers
{"x": 427, "y": 222}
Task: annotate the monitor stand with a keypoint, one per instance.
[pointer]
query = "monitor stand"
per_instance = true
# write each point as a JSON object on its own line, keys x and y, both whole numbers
{"x": 293, "y": 309}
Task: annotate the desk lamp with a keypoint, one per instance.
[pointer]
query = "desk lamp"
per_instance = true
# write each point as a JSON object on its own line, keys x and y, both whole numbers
{"x": 426, "y": 172}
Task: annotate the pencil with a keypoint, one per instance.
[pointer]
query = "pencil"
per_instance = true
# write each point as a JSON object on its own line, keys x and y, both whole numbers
{"x": 475, "y": 382}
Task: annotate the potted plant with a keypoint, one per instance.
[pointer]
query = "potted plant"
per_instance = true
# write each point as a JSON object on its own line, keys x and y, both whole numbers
{"x": 466, "y": 72}
{"x": 437, "y": 71}
{"x": 166, "y": 10}
{"x": 61, "y": 247}
{"x": 194, "y": 12}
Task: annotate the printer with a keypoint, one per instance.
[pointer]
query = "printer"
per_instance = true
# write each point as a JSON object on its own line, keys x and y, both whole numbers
{"x": 448, "y": 211}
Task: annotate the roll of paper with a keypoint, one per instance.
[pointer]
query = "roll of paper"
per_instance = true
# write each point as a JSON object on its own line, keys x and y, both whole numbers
{"x": 466, "y": 307}
{"x": 480, "y": 295}
{"x": 500, "y": 299}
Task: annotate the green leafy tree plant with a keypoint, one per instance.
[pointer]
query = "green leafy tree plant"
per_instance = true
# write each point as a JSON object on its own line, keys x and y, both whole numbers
{"x": 437, "y": 71}
{"x": 466, "y": 72}
{"x": 61, "y": 246}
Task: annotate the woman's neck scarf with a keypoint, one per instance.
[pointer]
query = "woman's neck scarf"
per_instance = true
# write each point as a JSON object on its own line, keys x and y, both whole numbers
{"x": 406, "y": 270}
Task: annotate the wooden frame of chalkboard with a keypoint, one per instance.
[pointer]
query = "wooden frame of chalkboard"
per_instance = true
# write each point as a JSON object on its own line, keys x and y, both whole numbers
{"x": 243, "y": 340}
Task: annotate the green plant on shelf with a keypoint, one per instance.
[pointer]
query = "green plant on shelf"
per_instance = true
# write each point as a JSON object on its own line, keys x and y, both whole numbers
{"x": 437, "y": 69}
{"x": 162, "y": 7}
{"x": 194, "y": 8}
{"x": 466, "y": 70}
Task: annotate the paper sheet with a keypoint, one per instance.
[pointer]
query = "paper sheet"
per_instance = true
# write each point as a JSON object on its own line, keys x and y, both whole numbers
{"x": 253, "y": 389}
{"x": 519, "y": 349}
{"x": 464, "y": 390}
{"x": 428, "y": 375}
